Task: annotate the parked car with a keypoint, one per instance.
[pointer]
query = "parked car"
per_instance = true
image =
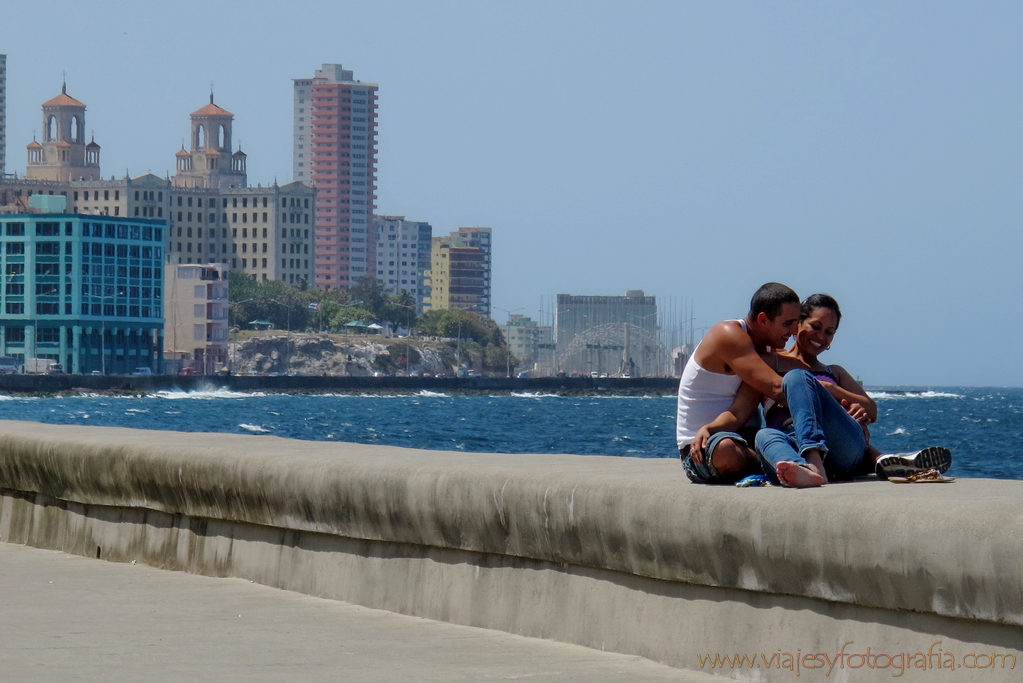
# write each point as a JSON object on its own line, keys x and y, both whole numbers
{"x": 8, "y": 365}
{"x": 187, "y": 372}
{"x": 143, "y": 370}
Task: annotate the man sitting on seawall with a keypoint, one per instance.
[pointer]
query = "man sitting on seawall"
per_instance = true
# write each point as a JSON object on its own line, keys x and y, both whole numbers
{"x": 726, "y": 358}
{"x": 823, "y": 437}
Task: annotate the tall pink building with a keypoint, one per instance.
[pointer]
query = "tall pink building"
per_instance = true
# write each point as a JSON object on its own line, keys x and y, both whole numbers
{"x": 335, "y": 151}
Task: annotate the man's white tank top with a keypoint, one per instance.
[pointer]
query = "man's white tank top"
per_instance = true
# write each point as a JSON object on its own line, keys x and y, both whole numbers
{"x": 702, "y": 396}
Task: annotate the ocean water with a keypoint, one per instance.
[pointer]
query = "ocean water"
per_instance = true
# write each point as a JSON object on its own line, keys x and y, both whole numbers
{"x": 981, "y": 426}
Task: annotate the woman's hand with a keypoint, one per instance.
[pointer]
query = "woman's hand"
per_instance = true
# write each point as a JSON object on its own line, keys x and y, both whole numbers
{"x": 857, "y": 412}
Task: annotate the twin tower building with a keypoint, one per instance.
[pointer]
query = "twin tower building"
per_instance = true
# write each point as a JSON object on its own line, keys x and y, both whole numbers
{"x": 212, "y": 215}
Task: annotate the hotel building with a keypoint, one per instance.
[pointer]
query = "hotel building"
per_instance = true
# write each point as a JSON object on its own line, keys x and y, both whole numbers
{"x": 212, "y": 215}
{"x": 335, "y": 151}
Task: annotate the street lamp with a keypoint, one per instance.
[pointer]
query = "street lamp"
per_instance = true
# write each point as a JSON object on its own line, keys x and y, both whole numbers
{"x": 287, "y": 308}
{"x": 103, "y": 331}
{"x": 507, "y": 345}
{"x": 408, "y": 333}
{"x": 230, "y": 350}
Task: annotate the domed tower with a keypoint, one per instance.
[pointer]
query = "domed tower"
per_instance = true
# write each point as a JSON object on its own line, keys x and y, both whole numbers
{"x": 209, "y": 164}
{"x": 62, "y": 155}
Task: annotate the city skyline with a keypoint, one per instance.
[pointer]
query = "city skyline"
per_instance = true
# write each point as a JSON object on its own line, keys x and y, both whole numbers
{"x": 616, "y": 148}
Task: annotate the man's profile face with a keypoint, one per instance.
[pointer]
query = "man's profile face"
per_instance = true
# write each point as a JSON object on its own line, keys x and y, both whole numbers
{"x": 781, "y": 327}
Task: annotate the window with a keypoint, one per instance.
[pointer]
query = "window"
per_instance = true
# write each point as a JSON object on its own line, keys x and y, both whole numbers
{"x": 14, "y": 308}
{"x": 15, "y": 248}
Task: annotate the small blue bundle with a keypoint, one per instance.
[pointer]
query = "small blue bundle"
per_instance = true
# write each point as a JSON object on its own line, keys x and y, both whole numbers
{"x": 752, "y": 480}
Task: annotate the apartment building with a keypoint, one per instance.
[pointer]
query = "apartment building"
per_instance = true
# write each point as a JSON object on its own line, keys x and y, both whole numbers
{"x": 459, "y": 275}
{"x": 3, "y": 115}
{"x": 526, "y": 340}
{"x": 196, "y": 317}
{"x": 402, "y": 255}
{"x": 335, "y": 150}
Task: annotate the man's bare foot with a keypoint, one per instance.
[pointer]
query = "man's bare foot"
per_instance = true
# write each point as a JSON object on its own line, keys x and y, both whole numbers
{"x": 798, "y": 476}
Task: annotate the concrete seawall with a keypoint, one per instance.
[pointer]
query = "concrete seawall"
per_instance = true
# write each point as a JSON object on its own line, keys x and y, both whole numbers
{"x": 613, "y": 553}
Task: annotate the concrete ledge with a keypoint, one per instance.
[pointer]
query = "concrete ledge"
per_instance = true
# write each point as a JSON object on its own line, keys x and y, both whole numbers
{"x": 614, "y": 553}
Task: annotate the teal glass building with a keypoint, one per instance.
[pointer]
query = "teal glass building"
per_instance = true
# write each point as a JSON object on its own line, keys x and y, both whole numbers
{"x": 84, "y": 291}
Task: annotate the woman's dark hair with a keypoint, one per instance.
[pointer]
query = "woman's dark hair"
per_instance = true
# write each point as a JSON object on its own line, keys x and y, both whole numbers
{"x": 815, "y": 301}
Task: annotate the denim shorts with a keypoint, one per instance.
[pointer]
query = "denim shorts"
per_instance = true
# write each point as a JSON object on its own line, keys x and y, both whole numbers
{"x": 704, "y": 472}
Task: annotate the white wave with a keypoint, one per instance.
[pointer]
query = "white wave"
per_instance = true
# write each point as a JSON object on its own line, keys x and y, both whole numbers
{"x": 533, "y": 394}
{"x": 432, "y": 394}
{"x": 205, "y": 394}
{"x": 7, "y": 398}
{"x": 255, "y": 429}
{"x": 876, "y": 395}
{"x": 898, "y": 431}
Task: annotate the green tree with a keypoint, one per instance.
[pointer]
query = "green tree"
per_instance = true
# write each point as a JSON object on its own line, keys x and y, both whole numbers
{"x": 454, "y": 322}
{"x": 369, "y": 293}
{"x": 285, "y": 306}
{"x": 346, "y": 314}
{"x": 400, "y": 309}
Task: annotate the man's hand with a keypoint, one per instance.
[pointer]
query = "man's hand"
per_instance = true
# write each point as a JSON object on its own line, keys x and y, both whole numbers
{"x": 696, "y": 448}
{"x": 857, "y": 412}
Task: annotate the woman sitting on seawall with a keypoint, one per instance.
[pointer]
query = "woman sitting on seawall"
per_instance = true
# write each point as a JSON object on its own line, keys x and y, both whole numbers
{"x": 830, "y": 441}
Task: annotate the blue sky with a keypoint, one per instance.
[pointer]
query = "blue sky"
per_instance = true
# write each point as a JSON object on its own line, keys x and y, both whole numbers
{"x": 690, "y": 149}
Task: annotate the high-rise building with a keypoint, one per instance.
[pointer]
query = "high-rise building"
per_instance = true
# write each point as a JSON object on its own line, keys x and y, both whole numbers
{"x": 82, "y": 291}
{"x": 402, "y": 255}
{"x": 3, "y": 115}
{"x": 459, "y": 275}
{"x": 609, "y": 335}
{"x": 335, "y": 152}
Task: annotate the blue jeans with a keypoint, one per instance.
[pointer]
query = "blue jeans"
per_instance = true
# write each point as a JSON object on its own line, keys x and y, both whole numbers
{"x": 818, "y": 421}
{"x": 705, "y": 472}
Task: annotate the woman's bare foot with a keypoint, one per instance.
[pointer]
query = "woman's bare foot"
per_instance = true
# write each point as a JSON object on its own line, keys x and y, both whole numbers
{"x": 798, "y": 476}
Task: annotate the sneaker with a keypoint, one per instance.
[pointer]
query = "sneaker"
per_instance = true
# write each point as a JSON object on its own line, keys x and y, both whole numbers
{"x": 906, "y": 464}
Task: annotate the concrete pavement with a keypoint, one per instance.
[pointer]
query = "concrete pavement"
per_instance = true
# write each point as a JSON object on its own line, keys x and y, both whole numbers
{"x": 64, "y": 617}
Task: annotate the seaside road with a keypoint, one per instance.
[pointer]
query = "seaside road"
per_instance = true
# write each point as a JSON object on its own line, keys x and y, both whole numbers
{"x": 65, "y": 617}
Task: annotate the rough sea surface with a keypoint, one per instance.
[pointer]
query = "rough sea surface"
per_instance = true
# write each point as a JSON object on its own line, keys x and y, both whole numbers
{"x": 981, "y": 426}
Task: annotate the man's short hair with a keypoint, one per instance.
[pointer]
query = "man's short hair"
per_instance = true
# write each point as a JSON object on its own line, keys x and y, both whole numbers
{"x": 770, "y": 298}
